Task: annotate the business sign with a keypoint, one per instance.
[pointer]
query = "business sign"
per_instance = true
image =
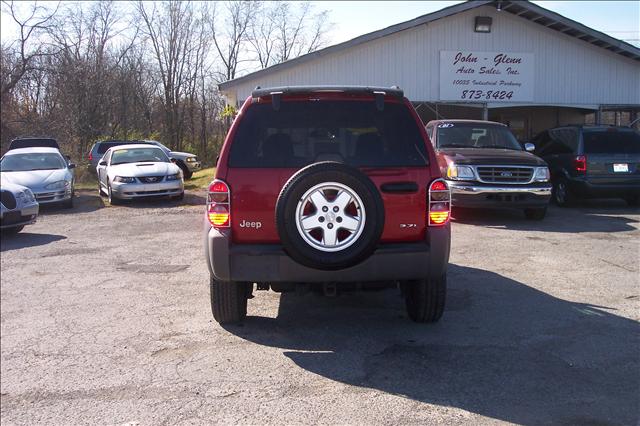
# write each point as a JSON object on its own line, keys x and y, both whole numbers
{"x": 471, "y": 76}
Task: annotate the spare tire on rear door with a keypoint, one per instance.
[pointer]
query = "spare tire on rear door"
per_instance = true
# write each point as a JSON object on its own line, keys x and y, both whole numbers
{"x": 329, "y": 216}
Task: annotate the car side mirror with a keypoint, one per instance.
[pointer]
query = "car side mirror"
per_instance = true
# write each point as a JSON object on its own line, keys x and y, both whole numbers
{"x": 102, "y": 163}
{"x": 71, "y": 166}
{"x": 173, "y": 160}
{"x": 529, "y": 147}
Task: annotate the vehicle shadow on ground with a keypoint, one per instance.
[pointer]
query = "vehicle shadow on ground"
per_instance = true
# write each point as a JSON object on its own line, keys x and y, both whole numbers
{"x": 26, "y": 239}
{"x": 591, "y": 216}
{"x": 502, "y": 350}
{"x": 83, "y": 202}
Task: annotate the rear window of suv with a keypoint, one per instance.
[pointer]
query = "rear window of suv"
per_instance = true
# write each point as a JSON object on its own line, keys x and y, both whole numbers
{"x": 611, "y": 142}
{"x": 303, "y": 132}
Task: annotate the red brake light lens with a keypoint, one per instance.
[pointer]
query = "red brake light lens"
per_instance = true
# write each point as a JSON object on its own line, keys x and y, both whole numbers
{"x": 439, "y": 186}
{"x": 580, "y": 163}
{"x": 439, "y": 203}
{"x": 219, "y": 204}
{"x": 90, "y": 156}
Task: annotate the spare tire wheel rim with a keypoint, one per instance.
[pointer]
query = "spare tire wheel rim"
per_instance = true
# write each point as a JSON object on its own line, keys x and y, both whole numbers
{"x": 330, "y": 217}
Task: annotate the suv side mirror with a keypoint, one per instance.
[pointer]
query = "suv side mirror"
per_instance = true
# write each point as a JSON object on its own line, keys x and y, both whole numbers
{"x": 173, "y": 160}
{"x": 102, "y": 163}
{"x": 529, "y": 147}
{"x": 71, "y": 166}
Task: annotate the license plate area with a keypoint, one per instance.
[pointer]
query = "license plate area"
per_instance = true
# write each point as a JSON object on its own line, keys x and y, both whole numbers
{"x": 620, "y": 168}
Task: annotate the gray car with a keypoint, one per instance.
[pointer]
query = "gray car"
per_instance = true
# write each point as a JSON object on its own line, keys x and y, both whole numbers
{"x": 137, "y": 171}
{"x": 18, "y": 207}
{"x": 44, "y": 171}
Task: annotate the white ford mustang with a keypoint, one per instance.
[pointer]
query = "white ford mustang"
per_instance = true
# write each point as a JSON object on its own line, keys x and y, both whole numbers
{"x": 134, "y": 171}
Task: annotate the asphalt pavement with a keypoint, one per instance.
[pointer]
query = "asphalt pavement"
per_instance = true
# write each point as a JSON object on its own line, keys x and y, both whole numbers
{"x": 105, "y": 319}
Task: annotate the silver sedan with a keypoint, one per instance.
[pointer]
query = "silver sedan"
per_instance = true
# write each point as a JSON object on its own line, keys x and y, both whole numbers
{"x": 136, "y": 171}
{"x": 18, "y": 207}
{"x": 43, "y": 170}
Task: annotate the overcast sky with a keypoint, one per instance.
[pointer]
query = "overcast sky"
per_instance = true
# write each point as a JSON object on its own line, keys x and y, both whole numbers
{"x": 619, "y": 19}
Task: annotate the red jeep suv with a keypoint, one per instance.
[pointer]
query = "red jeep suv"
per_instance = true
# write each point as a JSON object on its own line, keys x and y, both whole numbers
{"x": 329, "y": 188}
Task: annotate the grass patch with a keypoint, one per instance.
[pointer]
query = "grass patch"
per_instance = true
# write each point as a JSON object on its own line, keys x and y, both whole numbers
{"x": 200, "y": 179}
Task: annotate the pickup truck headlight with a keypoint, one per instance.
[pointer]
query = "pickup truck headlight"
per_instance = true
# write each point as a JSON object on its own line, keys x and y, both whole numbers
{"x": 542, "y": 174}
{"x": 61, "y": 184}
{"x": 456, "y": 172}
{"x": 192, "y": 159}
{"x": 177, "y": 176}
{"x": 124, "y": 179}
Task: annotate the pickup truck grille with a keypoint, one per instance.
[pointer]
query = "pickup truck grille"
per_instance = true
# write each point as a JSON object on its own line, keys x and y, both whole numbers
{"x": 504, "y": 174}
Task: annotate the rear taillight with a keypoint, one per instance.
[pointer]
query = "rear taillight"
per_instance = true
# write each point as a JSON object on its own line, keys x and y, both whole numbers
{"x": 90, "y": 157}
{"x": 219, "y": 204}
{"x": 439, "y": 203}
{"x": 580, "y": 164}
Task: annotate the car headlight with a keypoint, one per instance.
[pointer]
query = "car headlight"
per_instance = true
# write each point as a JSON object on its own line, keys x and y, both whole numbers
{"x": 28, "y": 196}
{"x": 456, "y": 172}
{"x": 124, "y": 179}
{"x": 192, "y": 159}
{"x": 177, "y": 176}
{"x": 542, "y": 174}
{"x": 61, "y": 184}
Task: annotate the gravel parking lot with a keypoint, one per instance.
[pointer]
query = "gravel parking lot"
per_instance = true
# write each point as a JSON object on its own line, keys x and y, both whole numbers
{"x": 106, "y": 319}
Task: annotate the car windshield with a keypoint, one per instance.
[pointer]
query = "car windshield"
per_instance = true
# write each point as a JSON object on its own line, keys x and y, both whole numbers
{"x": 611, "y": 142}
{"x": 138, "y": 155}
{"x": 32, "y": 161}
{"x": 353, "y": 132}
{"x": 476, "y": 135}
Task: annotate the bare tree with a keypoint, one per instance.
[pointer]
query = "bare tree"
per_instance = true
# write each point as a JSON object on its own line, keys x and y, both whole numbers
{"x": 27, "y": 47}
{"x": 172, "y": 34}
{"x": 230, "y": 41}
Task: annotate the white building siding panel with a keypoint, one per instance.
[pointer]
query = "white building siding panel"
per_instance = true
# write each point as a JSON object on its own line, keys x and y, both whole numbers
{"x": 567, "y": 71}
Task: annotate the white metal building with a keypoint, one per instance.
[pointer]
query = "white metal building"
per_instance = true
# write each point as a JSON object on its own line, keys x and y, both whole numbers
{"x": 508, "y": 61}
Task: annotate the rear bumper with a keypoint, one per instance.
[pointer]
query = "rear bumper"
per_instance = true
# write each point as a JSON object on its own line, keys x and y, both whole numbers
{"x": 499, "y": 196}
{"x": 585, "y": 188}
{"x": 269, "y": 263}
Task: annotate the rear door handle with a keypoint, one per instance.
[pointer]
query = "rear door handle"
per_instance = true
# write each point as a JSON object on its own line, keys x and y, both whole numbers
{"x": 399, "y": 187}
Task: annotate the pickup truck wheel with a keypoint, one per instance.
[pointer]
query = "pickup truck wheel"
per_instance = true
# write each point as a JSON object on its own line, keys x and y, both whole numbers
{"x": 561, "y": 194}
{"x": 228, "y": 300}
{"x": 329, "y": 216}
{"x": 535, "y": 214}
{"x": 425, "y": 298}
{"x": 186, "y": 173}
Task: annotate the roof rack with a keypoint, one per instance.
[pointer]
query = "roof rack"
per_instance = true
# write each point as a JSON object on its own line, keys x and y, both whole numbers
{"x": 295, "y": 90}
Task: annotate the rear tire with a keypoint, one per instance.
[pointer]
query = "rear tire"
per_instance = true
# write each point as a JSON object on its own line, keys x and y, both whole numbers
{"x": 425, "y": 298}
{"x": 633, "y": 201}
{"x": 536, "y": 213}
{"x": 228, "y": 301}
{"x": 561, "y": 194}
